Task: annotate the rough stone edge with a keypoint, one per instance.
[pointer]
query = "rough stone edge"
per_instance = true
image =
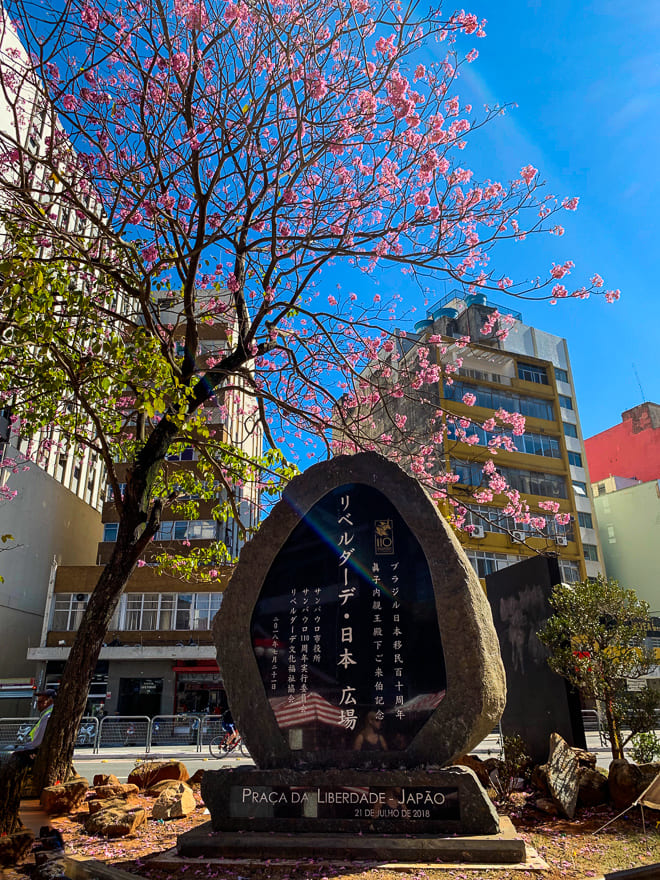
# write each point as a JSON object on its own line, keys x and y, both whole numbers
{"x": 476, "y": 671}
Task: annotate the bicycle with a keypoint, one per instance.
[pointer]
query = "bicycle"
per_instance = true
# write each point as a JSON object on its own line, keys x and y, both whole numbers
{"x": 226, "y": 743}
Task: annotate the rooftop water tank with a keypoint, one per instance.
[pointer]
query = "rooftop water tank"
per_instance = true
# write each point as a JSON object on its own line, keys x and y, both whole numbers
{"x": 446, "y": 312}
{"x": 422, "y": 325}
{"x": 476, "y": 299}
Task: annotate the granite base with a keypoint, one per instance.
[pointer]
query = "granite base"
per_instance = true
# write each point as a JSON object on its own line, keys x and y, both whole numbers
{"x": 503, "y": 848}
{"x": 399, "y": 802}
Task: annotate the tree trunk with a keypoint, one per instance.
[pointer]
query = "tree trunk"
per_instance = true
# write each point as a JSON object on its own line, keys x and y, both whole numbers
{"x": 13, "y": 773}
{"x": 613, "y": 730}
{"x": 138, "y": 522}
{"x": 54, "y": 760}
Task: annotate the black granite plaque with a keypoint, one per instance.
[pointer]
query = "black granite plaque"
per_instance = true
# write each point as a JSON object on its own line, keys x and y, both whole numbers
{"x": 378, "y": 803}
{"x": 354, "y": 632}
{"x": 345, "y": 629}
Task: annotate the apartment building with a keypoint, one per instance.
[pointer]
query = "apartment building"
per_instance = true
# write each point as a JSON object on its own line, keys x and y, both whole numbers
{"x": 55, "y": 513}
{"x": 624, "y": 463}
{"x": 527, "y": 371}
{"x": 629, "y": 449}
{"x": 159, "y": 656}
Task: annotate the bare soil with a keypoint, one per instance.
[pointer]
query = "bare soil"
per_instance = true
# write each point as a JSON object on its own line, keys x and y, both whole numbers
{"x": 570, "y": 849}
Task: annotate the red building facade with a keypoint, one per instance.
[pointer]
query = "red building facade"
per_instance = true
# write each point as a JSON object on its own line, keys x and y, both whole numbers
{"x": 629, "y": 449}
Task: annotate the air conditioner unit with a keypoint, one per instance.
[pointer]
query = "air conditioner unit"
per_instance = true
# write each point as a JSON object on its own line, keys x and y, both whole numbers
{"x": 477, "y": 532}
{"x": 561, "y": 540}
{"x": 518, "y": 536}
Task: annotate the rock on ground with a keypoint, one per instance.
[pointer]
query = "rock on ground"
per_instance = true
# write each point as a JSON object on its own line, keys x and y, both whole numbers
{"x": 63, "y": 798}
{"x": 13, "y": 847}
{"x": 116, "y": 821}
{"x": 197, "y": 776}
{"x": 105, "y": 779}
{"x": 159, "y": 787}
{"x": 147, "y": 774}
{"x": 593, "y": 788}
{"x": 113, "y": 791}
{"x": 627, "y": 781}
{"x": 562, "y": 773}
{"x": 97, "y": 806}
{"x": 174, "y": 803}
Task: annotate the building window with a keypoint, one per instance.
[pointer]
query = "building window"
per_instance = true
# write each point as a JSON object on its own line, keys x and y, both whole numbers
{"x": 492, "y": 519}
{"x": 575, "y": 459}
{"x": 529, "y": 482}
{"x": 569, "y": 429}
{"x": 133, "y": 615}
{"x": 585, "y": 520}
{"x": 110, "y": 531}
{"x": 207, "y": 606}
{"x": 579, "y": 488}
{"x": 486, "y": 563}
{"x": 601, "y": 489}
{"x": 539, "y": 444}
{"x": 202, "y": 530}
{"x": 484, "y": 377}
{"x": 532, "y": 444}
{"x": 149, "y": 612}
{"x": 590, "y": 552}
{"x": 167, "y": 606}
{"x": 494, "y": 398}
{"x": 184, "y": 603}
{"x": 192, "y": 530}
{"x": 185, "y": 453}
{"x": 565, "y": 402}
{"x": 68, "y": 610}
{"x": 570, "y": 573}
{"x": 532, "y": 373}
{"x": 561, "y": 375}
{"x": 110, "y": 495}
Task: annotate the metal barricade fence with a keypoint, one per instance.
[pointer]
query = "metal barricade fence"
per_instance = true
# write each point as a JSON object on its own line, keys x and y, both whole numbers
{"x": 175, "y": 730}
{"x": 14, "y": 731}
{"x": 88, "y": 732}
{"x": 211, "y": 727}
{"x": 591, "y": 721}
{"x": 124, "y": 730}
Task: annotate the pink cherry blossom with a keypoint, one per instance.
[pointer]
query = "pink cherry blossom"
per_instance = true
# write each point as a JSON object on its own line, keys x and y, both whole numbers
{"x": 528, "y": 173}
{"x": 71, "y": 103}
{"x": 560, "y": 271}
{"x": 90, "y": 16}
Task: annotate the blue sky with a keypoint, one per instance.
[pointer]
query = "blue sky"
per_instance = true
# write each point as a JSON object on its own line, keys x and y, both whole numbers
{"x": 586, "y": 79}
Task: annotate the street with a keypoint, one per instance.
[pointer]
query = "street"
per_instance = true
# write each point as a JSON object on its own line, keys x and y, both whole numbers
{"x": 121, "y": 760}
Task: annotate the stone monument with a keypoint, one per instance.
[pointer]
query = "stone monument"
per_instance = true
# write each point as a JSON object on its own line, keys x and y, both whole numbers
{"x": 359, "y": 658}
{"x": 540, "y": 702}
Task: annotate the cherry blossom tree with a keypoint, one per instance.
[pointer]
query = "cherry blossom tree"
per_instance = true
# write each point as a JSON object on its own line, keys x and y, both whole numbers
{"x": 185, "y": 170}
